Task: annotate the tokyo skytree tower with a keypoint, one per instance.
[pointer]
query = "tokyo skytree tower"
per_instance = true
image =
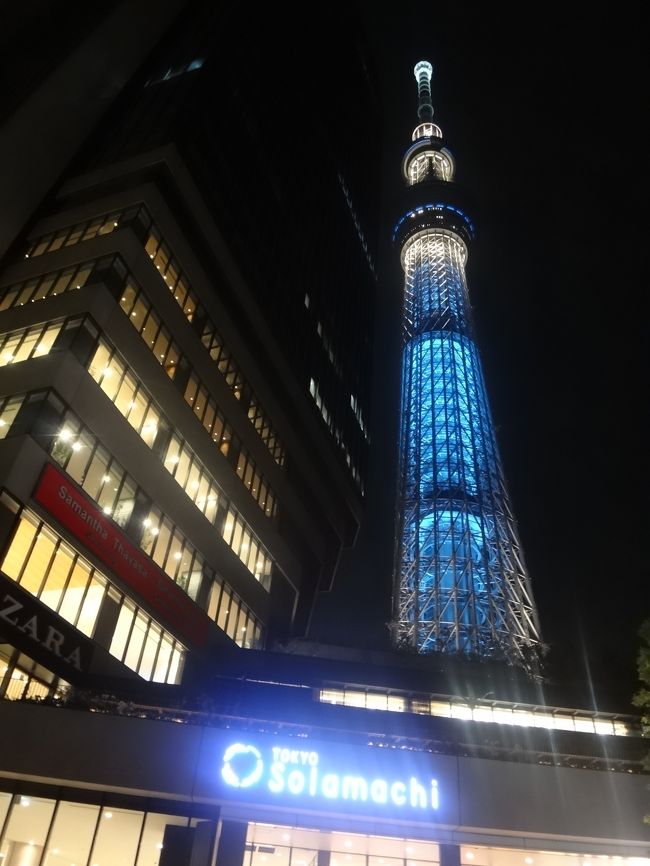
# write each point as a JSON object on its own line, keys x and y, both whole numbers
{"x": 461, "y": 585}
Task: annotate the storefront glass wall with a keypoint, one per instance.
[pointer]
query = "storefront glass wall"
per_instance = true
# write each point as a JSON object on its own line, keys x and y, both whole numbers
{"x": 39, "y": 830}
{"x": 273, "y": 845}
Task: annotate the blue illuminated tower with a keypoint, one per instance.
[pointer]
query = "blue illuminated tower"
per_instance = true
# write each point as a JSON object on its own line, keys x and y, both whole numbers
{"x": 461, "y": 586}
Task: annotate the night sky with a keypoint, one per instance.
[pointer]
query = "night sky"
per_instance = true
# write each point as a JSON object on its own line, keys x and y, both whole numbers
{"x": 544, "y": 115}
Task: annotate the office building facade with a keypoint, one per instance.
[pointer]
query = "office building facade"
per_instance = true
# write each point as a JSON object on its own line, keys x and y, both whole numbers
{"x": 184, "y": 401}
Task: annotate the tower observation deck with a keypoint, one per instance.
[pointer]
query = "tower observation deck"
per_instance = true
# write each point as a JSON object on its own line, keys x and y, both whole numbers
{"x": 461, "y": 585}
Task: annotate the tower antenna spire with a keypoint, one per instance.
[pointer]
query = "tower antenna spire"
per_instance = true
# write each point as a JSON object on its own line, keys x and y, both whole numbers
{"x": 423, "y": 72}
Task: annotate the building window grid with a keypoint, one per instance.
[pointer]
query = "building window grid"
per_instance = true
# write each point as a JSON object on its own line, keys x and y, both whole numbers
{"x": 33, "y": 539}
{"x": 434, "y": 705}
{"x": 21, "y": 678}
{"x": 178, "y": 284}
{"x": 84, "y": 231}
{"x": 26, "y": 343}
{"x": 134, "y": 403}
{"x": 170, "y": 271}
{"x": 314, "y": 390}
{"x": 138, "y": 309}
{"x": 105, "y": 481}
{"x": 9, "y": 408}
{"x": 81, "y": 826}
{"x": 50, "y": 284}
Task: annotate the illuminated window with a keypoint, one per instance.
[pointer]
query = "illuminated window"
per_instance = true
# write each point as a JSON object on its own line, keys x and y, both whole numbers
{"x": 45, "y": 566}
{"x": 105, "y": 481}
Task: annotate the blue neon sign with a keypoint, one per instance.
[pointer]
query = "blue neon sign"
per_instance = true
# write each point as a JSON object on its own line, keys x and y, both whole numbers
{"x": 306, "y": 774}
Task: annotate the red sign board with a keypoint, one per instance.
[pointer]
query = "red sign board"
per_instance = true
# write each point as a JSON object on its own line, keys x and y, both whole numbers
{"x": 74, "y": 510}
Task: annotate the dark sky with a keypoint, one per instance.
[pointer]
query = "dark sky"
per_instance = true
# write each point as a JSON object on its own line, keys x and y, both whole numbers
{"x": 544, "y": 114}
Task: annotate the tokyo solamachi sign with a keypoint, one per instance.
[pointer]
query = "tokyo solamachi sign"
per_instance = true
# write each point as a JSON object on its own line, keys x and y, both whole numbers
{"x": 307, "y": 775}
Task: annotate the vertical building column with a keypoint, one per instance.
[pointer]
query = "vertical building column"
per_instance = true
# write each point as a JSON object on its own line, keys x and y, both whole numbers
{"x": 449, "y": 855}
{"x": 231, "y": 844}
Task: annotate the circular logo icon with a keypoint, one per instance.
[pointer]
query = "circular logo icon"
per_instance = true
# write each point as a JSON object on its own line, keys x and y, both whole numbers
{"x": 242, "y": 765}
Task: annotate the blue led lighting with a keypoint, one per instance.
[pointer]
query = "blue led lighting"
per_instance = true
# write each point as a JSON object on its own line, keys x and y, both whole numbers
{"x": 439, "y": 206}
{"x": 461, "y": 586}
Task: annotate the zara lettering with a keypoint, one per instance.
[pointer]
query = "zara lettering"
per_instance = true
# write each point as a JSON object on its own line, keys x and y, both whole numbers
{"x": 47, "y": 636}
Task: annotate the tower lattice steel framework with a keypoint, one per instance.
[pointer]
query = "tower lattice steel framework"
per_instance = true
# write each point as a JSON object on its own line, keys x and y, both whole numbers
{"x": 461, "y": 584}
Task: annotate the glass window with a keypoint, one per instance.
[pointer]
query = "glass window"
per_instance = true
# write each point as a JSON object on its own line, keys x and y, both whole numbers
{"x": 62, "y": 283}
{"x": 5, "y": 799}
{"x": 150, "y": 425}
{"x": 122, "y": 631}
{"x": 151, "y": 245}
{"x": 228, "y": 526}
{"x": 218, "y": 429}
{"x": 80, "y": 451}
{"x": 231, "y": 629}
{"x": 57, "y": 578}
{"x": 8, "y": 411}
{"x": 91, "y": 229}
{"x": 151, "y": 644}
{"x": 8, "y": 298}
{"x": 20, "y": 346}
{"x": 91, "y": 605}
{"x": 97, "y": 474}
{"x": 117, "y": 837}
{"x": 82, "y": 275}
{"x": 138, "y": 408}
{"x": 74, "y": 592}
{"x": 125, "y": 502}
{"x": 74, "y": 237}
{"x": 128, "y": 297}
{"x": 172, "y": 456}
{"x": 72, "y": 833}
{"x": 175, "y": 666}
{"x": 164, "y": 658}
{"x": 376, "y": 702}
{"x": 29, "y": 822}
{"x": 174, "y": 555}
{"x": 213, "y": 600}
{"x": 39, "y": 561}
{"x": 308, "y": 856}
{"x": 151, "y": 530}
{"x": 209, "y": 416}
{"x": 40, "y": 247}
{"x": 111, "y": 382}
{"x": 280, "y": 857}
{"x": 136, "y": 641}
{"x": 57, "y": 241}
{"x": 224, "y": 608}
{"x": 182, "y": 468}
{"x": 171, "y": 360}
{"x": 161, "y": 345}
{"x": 98, "y": 366}
{"x": 162, "y": 543}
{"x": 150, "y": 329}
{"x": 191, "y": 389}
{"x": 153, "y": 836}
{"x": 237, "y": 537}
{"x": 19, "y": 549}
